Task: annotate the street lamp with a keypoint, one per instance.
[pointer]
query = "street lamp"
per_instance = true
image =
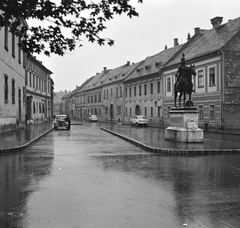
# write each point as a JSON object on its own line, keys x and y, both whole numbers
{"x": 155, "y": 103}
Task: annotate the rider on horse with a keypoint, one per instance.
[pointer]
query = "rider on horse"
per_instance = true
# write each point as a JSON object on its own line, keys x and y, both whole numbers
{"x": 181, "y": 73}
{"x": 183, "y": 83}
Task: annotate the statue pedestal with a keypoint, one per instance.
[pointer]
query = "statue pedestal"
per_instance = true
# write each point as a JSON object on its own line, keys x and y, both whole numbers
{"x": 184, "y": 125}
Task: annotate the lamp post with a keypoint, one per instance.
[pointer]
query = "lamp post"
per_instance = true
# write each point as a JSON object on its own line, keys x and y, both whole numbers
{"x": 159, "y": 114}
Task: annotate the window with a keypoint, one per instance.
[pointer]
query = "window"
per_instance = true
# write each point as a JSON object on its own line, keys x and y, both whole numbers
{"x": 200, "y": 79}
{"x": 145, "y": 89}
{"x": 88, "y": 99}
{"x": 158, "y": 87}
{"x": 130, "y": 92}
{"x": 120, "y": 91}
{"x": 104, "y": 97}
{"x": 24, "y": 97}
{"x": 130, "y": 111}
{"x": 212, "y": 112}
{"x": 151, "y": 88}
{"x": 125, "y": 92}
{"x": 140, "y": 90}
{"x": 145, "y": 111}
{"x": 125, "y": 111}
{"x": 40, "y": 107}
{"x": 91, "y": 98}
{"x": 43, "y": 108}
{"x": 37, "y": 83}
{"x": 99, "y": 97}
{"x": 6, "y": 37}
{"x": 111, "y": 92}
{"x": 118, "y": 110}
{"x": 34, "y": 107}
{"x": 135, "y": 91}
{"x": 200, "y": 108}
{"x": 117, "y": 92}
{"x": 5, "y": 89}
{"x": 30, "y": 79}
{"x": 107, "y": 93}
{"x": 152, "y": 111}
{"x": 158, "y": 111}
{"x": 33, "y": 81}
{"x": 212, "y": 76}
{"x": 19, "y": 50}
{"x": 13, "y": 44}
{"x": 13, "y": 91}
{"x": 168, "y": 84}
{"x": 95, "y": 98}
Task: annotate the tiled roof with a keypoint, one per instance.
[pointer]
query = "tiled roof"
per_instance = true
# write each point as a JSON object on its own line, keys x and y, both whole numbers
{"x": 93, "y": 82}
{"x": 119, "y": 74}
{"x": 153, "y": 64}
{"x": 112, "y": 75}
{"x": 208, "y": 42}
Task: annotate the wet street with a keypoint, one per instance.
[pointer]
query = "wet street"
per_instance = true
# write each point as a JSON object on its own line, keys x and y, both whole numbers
{"x": 87, "y": 177}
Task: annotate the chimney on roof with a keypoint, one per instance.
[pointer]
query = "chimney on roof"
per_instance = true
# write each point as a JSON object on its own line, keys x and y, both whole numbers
{"x": 128, "y": 63}
{"x": 216, "y": 21}
{"x": 165, "y": 47}
{"x": 188, "y": 37}
{"x": 104, "y": 69}
{"x": 197, "y": 30}
{"x": 176, "y": 42}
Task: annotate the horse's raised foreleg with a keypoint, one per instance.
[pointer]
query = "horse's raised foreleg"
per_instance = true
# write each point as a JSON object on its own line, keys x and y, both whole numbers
{"x": 175, "y": 98}
{"x": 180, "y": 97}
{"x": 190, "y": 101}
{"x": 184, "y": 99}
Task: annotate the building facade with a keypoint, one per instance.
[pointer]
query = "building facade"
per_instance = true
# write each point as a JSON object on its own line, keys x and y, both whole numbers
{"x": 147, "y": 87}
{"x": 39, "y": 101}
{"x": 215, "y": 54}
{"x": 12, "y": 81}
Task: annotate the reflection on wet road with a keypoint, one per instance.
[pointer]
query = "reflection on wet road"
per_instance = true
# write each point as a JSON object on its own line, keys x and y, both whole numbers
{"x": 87, "y": 177}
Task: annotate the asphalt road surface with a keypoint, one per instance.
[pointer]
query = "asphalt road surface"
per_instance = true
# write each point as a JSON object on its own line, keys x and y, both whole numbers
{"x": 87, "y": 177}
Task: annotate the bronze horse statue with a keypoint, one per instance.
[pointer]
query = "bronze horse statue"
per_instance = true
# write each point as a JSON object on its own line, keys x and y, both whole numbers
{"x": 184, "y": 86}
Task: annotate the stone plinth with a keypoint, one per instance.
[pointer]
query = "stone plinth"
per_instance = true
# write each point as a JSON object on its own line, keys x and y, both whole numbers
{"x": 184, "y": 126}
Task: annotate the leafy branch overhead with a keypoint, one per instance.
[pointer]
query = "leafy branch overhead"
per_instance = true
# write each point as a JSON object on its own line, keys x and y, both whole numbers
{"x": 60, "y": 25}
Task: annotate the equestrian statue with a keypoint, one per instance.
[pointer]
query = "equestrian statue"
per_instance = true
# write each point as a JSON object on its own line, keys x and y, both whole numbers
{"x": 183, "y": 84}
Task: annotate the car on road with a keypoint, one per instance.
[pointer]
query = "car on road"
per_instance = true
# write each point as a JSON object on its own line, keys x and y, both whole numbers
{"x": 139, "y": 120}
{"x": 93, "y": 118}
{"x": 62, "y": 122}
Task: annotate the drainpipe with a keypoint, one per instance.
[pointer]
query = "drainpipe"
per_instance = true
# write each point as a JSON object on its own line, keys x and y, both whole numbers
{"x": 222, "y": 87}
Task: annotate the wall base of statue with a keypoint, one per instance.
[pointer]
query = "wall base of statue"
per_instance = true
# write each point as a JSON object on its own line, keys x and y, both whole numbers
{"x": 184, "y": 126}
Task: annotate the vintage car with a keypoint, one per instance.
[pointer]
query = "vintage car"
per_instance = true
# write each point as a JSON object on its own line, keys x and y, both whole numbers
{"x": 62, "y": 122}
{"x": 139, "y": 120}
{"x": 93, "y": 118}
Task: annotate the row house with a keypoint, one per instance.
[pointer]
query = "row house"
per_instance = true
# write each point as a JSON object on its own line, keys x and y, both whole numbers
{"x": 25, "y": 84}
{"x": 143, "y": 88}
{"x": 147, "y": 87}
{"x": 39, "y": 92}
{"x": 12, "y": 81}
{"x": 81, "y": 101}
{"x": 113, "y": 93}
{"x": 88, "y": 98}
{"x": 216, "y": 55}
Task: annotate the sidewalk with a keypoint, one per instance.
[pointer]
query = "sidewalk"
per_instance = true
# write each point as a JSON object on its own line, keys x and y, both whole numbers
{"x": 22, "y": 138}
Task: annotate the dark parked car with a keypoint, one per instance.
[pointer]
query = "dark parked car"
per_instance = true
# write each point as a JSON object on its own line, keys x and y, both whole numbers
{"x": 62, "y": 122}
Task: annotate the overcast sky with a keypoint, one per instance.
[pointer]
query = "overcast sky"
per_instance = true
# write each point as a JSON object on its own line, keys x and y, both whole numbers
{"x": 159, "y": 22}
